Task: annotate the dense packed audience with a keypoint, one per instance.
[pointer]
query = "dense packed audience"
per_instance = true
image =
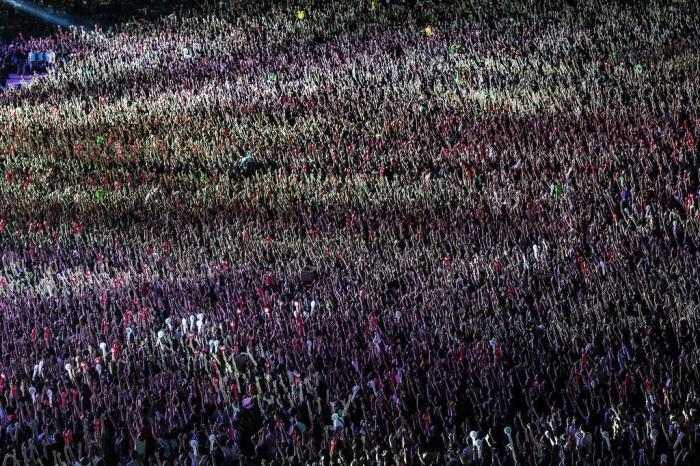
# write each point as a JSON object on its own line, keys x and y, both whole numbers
{"x": 357, "y": 233}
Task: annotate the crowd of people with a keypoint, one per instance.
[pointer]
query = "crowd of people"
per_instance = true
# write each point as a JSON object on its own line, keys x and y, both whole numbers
{"x": 27, "y": 56}
{"x": 357, "y": 233}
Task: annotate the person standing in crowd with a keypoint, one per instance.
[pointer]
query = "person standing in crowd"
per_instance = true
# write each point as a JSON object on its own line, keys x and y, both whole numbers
{"x": 32, "y": 59}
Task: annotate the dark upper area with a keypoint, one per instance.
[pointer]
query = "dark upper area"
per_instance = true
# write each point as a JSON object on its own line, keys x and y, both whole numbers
{"x": 89, "y": 12}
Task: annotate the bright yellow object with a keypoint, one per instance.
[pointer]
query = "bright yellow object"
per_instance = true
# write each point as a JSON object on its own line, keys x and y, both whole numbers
{"x": 429, "y": 31}
{"x": 301, "y": 14}
{"x": 373, "y": 4}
